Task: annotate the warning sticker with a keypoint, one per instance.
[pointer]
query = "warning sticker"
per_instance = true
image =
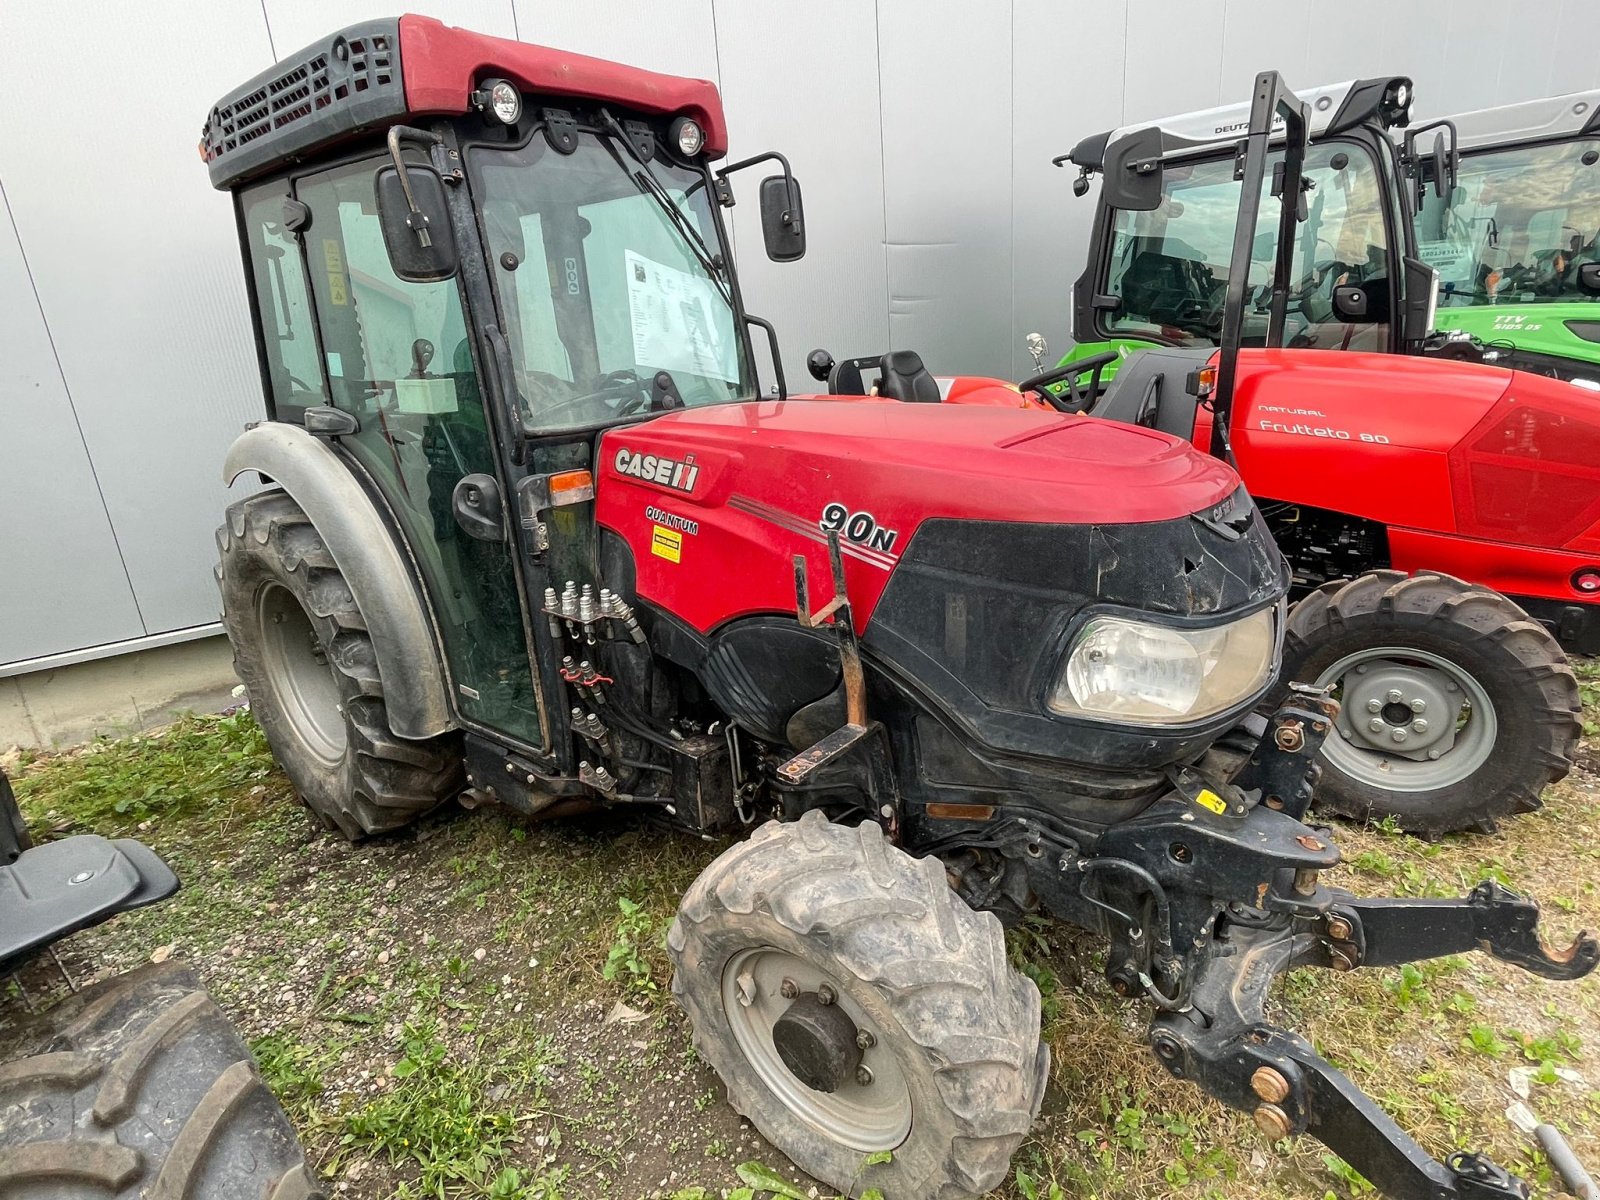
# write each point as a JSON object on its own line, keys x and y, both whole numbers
{"x": 666, "y": 543}
{"x": 1209, "y": 799}
{"x": 680, "y": 321}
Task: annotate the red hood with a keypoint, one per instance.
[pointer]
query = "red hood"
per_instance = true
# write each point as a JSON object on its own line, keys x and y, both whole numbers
{"x": 932, "y": 460}
{"x": 716, "y": 502}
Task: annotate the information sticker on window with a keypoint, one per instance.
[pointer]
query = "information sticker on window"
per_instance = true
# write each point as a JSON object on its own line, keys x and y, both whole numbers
{"x": 675, "y": 320}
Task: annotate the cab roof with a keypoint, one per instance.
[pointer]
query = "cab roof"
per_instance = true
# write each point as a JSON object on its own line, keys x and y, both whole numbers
{"x": 378, "y": 73}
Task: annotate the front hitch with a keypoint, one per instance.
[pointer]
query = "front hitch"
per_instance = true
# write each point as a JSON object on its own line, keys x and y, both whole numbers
{"x": 1223, "y": 1043}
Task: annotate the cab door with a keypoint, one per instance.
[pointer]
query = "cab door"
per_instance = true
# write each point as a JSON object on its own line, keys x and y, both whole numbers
{"x": 397, "y": 356}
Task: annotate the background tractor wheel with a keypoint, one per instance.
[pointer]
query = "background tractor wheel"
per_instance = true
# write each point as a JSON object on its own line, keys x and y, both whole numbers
{"x": 143, "y": 1089}
{"x": 1458, "y": 708}
{"x": 302, "y": 649}
{"x": 855, "y": 1007}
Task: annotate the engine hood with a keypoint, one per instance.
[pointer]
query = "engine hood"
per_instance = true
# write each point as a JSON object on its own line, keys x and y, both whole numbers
{"x": 715, "y": 503}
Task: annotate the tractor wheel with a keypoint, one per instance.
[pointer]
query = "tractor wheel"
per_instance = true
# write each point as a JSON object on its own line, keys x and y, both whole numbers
{"x": 302, "y": 649}
{"x": 1457, "y": 707}
{"x": 143, "y": 1089}
{"x": 860, "y": 1015}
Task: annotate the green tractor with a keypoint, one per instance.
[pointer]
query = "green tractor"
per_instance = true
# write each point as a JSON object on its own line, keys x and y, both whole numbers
{"x": 1513, "y": 233}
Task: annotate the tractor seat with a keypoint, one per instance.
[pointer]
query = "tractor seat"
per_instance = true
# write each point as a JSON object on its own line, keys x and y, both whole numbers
{"x": 903, "y": 377}
{"x": 1149, "y": 389}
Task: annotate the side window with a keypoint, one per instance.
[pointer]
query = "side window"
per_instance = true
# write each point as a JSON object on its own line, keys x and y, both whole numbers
{"x": 288, "y": 331}
{"x": 399, "y": 359}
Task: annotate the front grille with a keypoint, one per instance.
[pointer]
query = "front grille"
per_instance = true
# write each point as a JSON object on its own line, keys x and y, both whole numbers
{"x": 329, "y": 90}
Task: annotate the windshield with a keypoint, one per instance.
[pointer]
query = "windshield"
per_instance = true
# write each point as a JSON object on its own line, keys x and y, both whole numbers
{"x": 1516, "y": 226}
{"x": 1169, "y": 266}
{"x": 601, "y": 287}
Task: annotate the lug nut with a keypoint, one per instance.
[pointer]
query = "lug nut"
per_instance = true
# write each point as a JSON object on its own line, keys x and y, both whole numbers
{"x": 1273, "y": 1122}
{"x": 864, "y": 1075}
{"x": 1394, "y": 696}
{"x": 1269, "y": 1085}
{"x": 1435, "y": 753}
{"x": 1399, "y": 735}
{"x": 865, "y": 1040}
{"x": 825, "y": 994}
{"x": 788, "y": 989}
{"x": 1376, "y": 724}
{"x": 1374, "y": 705}
{"x": 1419, "y": 705}
{"x": 1419, "y": 726}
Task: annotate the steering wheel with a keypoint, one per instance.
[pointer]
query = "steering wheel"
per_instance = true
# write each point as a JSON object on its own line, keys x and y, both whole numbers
{"x": 1077, "y": 399}
{"x": 622, "y": 391}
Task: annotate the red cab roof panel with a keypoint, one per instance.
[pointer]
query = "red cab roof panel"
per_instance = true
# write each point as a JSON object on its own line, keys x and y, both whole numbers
{"x": 442, "y": 64}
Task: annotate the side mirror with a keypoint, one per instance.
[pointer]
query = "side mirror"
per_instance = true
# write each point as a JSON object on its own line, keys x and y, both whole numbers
{"x": 1133, "y": 175}
{"x": 1349, "y": 303}
{"x": 1442, "y": 182}
{"x": 782, "y": 218}
{"x": 1589, "y": 277}
{"x": 415, "y": 219}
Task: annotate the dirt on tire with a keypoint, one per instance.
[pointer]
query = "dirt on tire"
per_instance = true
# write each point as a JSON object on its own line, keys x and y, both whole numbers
{"x": 931, "y": 972}
{"x": 381, "y": 781}
{"x": 141, "y": 1088}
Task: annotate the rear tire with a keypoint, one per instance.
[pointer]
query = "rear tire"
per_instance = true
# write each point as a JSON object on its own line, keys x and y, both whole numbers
{"x": 302, "y": 649}
{"x": 956, "y": 1067}
{"x": 144, "y": 1090}
{"x": 1489, "y": 679}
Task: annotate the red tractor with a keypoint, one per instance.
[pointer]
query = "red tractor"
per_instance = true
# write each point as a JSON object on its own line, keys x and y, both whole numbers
{"x": 532, "y": 535}
{"x": 1388, "y": 481}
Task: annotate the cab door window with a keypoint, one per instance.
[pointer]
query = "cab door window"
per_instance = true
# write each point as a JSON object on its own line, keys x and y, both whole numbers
{"x": 398, "y": 358}
{"x": 282, "y": 304}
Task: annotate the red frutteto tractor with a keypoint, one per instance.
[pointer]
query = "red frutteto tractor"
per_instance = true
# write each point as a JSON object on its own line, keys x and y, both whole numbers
{"x": 532, "y": 535}
{"x": 1438, "y": 514}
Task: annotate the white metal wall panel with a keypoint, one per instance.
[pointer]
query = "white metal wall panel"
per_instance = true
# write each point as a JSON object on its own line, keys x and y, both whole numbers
{"x": 1173, "y": 60}
{"x": 61, "y": 576}
{"x": 675, "y": 36}
{"x": 1049, "y": 225}
{"x": 136, "y": 264}
{"x": 945, "y": 67}
{"x": 826, "y": 123}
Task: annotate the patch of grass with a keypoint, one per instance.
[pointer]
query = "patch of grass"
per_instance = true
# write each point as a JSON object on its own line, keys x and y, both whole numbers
{"x": 113, "y": 785}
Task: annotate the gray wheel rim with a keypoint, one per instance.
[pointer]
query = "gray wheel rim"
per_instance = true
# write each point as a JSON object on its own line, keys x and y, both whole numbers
{"x": 1459, "y": 719}
{"x": 868, "y": 1118}
{"x": 298, "y": 672}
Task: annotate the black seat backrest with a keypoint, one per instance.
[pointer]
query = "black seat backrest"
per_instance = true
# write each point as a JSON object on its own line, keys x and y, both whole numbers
{"x": 1149, "y": 389}
{"x": 903, "y": 377}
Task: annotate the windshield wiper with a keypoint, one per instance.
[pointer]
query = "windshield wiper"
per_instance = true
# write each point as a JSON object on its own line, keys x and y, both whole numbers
{"x": 644, "y": 179}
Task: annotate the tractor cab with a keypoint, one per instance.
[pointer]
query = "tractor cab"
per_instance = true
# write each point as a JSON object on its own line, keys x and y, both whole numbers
{"x": 1509, "y": 219}
{"x": 1167, "y": 244}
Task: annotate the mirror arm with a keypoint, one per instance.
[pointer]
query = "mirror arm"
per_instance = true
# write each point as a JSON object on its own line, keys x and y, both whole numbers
{"x": 416, "y": 219}
{"x": 770, "y": 156}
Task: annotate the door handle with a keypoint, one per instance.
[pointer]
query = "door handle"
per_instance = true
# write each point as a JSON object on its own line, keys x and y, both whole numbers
{"x": 478, "y": 508}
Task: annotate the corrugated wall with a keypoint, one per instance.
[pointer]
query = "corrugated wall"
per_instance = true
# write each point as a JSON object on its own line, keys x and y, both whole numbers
{"x": 921, "y": 130}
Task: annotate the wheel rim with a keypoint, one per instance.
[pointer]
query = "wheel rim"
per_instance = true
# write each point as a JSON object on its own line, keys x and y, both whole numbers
{"x": 1446, "y": 721}
{"x": 866, "y": 1117}
{"x": 299, "y": 675}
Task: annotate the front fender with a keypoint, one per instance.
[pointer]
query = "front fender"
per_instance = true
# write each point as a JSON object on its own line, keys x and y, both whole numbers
{"x": 372, "y": 561}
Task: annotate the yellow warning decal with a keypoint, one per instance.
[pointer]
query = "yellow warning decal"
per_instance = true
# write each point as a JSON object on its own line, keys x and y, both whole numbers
{"x": 1209, "y": 799}
{"x": 667, "y": 543}
{"x": 333, "y": 260}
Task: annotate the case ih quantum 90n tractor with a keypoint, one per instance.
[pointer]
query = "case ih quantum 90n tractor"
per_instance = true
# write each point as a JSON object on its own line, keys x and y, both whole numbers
{"x": 531, "y": 531}
{"x": 1387, "y": 481}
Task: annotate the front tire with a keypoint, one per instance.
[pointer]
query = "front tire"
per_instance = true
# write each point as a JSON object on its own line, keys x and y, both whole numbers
{"x": 1458, "y": 709}
{"x": 302, "y": 649}
{"x": 954, "y": 1066}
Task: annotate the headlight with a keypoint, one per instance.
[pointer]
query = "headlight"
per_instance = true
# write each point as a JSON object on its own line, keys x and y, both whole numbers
{"x": 1160, "y": 675}
{"x": 687, "y": 136}
{"x": 505, "y": 102}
